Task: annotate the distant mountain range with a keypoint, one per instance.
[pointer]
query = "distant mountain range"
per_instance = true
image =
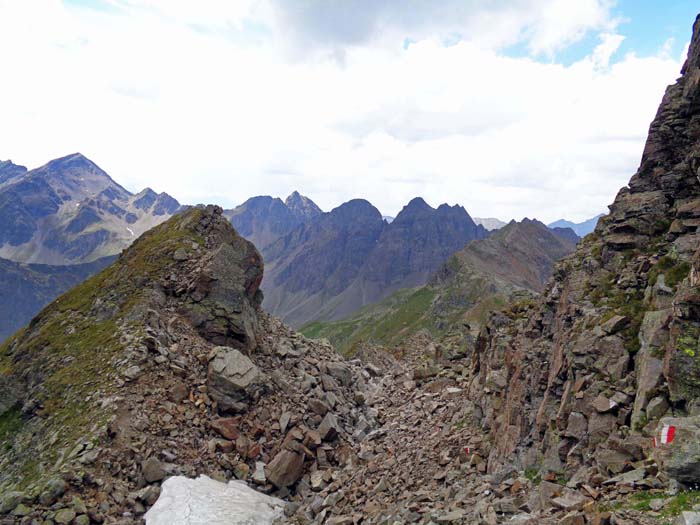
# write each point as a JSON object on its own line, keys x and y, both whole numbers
{"x": 262, "y": 220}
{"x": 518, "y": 258}
{"x": 319, "y": 266}
{"x": 337, "y": 262}
{"x": 581, "y": 228}
{"x": 27, "y": 288}
{"x": 70, "y": 211}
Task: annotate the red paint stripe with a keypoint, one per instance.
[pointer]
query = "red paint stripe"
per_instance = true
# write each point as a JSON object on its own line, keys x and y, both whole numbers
{"x": 671, "y": 434}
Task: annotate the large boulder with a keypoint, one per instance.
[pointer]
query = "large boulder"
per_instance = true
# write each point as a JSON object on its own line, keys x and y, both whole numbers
{"x": 286, "y": 468}
{"x": 232, "y": 377}
{"x": 224, "y": 294}
{"x": 678, "y": 448}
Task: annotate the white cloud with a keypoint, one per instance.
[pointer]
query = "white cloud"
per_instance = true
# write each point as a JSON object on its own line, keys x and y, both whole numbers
{"x": 201, "y": 100}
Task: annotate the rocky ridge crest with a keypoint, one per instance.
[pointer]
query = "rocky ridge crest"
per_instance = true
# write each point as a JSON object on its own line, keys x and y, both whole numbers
{"x": 164, "y": 364}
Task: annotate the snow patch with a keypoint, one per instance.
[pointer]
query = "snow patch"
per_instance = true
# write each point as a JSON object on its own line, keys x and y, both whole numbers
{"x": 204, "y": 501}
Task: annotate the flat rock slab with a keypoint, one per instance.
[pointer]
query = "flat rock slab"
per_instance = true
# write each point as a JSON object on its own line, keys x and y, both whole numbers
{"x": 203, "y": 501}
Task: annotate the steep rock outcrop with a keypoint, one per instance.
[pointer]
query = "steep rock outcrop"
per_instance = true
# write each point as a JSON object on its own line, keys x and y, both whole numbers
{"x": 617, "y": 327}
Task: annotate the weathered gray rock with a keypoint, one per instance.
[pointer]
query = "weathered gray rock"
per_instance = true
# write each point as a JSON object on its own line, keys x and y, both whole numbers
{"x": 680, "y": 459}
{"x": 341, "y": 372}
{"x": 653, "y": 335}
{"x": 232, "y": 376}
{"x": 329, "y": 427}
{"x": 688, "y": 518}
{"x": 615, "y": 324}
{"x": 153, "y": 470}
{"x": 657, "y": 407}
{"x": 64, "y": 516}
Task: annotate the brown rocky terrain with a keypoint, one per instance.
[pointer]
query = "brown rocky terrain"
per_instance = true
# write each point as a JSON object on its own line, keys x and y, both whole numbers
{"x": 164, "y": 364}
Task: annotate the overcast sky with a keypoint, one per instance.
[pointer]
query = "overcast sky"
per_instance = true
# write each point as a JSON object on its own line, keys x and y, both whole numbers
{"x": 535, "y": 108}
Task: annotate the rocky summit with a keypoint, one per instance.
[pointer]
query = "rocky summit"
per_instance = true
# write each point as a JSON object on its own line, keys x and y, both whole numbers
{"x": 161, "y": 365}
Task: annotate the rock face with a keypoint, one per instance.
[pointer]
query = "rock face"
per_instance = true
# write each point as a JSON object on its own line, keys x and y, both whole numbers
{"x": 329, "y": 267}
{"x": 27, "y": 288}
{"x": 616, "y": 328}
{"x": 70, "y": 211}
{"x": 164, "y": 365}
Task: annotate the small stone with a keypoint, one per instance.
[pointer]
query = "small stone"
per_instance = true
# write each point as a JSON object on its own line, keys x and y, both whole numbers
{"x": 285, "y": 468}
{"x": 153, "y": 470}
{"x": 10, "y": 500}
{"x": 54, "y": 489}
{"x": 64, "y": 516}
{"x": 657, "y": 407}
{"x": 615, "y": 324}
{"x": 284, "y": 421}
{"x": 602, "y": 404}
{"x": 180, "y": 255}
{"x": 78, "y": 505}
{"x": 454, "y": 515}
{"x": 319, "y": 407}
{"x": 340, "y": 520}
{"x": 227, "y": 427}
{"x": 178, "y": 392}
{"x": 82, "y": 520}
{"x": 329, "y": 428}
{"x": 657, "y": 504}
{"x": 259, "y": 476}
{"x": 133, "y": 372}
{"x": 21, "y": 510}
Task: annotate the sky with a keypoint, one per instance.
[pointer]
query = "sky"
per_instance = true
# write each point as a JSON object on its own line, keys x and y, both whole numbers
{"x": 515, "y": 108}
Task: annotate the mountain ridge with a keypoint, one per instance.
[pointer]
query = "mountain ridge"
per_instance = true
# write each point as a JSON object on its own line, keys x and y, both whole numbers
{"x": 350, "y": 257}
{"x": 71, "y": 211}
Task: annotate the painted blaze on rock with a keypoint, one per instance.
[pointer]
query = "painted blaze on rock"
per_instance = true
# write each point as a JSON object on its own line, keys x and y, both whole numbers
{"x": 678, "y": 448}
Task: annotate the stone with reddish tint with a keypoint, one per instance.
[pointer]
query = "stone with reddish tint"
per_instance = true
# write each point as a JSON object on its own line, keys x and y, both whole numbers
{"x": 227, "y": 427}
{"x": 285, "y": 469}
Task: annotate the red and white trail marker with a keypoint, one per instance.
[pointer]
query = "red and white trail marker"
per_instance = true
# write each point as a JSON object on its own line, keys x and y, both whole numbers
{"x": 668, "y": 432}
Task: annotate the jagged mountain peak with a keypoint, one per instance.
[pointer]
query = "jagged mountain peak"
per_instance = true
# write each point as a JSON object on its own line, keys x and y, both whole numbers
{"x": 302, "y": 206}
{"x": 10, "y": 171}
{"x": 416, "y": 205}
